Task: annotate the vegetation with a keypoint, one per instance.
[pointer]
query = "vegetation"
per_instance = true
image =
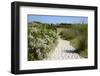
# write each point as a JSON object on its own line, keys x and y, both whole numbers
{"x": 77, "y": 34}
{"x": 41, "y": 40}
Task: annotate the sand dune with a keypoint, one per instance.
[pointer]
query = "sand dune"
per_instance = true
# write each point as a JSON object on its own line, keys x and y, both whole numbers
{"x": 63, "y": 51}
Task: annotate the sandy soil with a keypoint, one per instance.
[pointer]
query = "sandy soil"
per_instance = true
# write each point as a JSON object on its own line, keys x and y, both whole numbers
{"x": 63, "y": 51}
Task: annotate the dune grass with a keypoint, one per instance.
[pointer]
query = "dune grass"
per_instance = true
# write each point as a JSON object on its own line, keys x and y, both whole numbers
{"x": 77, "y": 34}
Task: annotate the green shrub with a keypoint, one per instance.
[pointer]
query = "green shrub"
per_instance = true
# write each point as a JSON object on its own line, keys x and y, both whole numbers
{"x": 41, "y": 40}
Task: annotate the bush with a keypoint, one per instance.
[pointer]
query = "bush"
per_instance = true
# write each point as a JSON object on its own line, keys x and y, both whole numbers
{"x": 41, "y": 40}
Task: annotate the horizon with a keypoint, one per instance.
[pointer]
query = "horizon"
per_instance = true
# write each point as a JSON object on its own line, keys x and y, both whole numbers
{"x": 58, "y": 19}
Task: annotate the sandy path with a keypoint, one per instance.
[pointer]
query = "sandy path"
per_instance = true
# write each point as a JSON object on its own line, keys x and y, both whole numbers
{"x": 63, "y": 51}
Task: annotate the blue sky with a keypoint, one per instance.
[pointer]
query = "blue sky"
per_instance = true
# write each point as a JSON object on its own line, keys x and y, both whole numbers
{"x": 57, "y": 19}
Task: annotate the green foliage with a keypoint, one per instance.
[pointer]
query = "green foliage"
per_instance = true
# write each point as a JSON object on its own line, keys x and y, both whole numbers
{"x": 80, "y": 43}
{"x": 69, "y": 34}
{"x": 84, "y": 53}
{"x": 77, "y": 34}
{"x": 41, "y": 40}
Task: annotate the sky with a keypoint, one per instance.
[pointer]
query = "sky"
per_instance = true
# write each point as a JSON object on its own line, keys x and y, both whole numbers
{"x": 57, "y": 19}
